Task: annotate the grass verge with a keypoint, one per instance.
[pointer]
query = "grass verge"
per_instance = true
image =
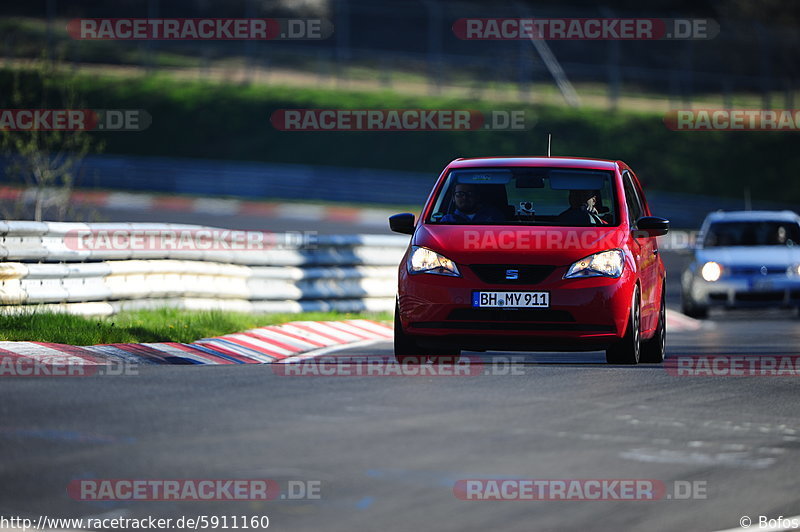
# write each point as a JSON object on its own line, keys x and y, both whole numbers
{"x": 231, "y": 122}
{"x": 163, "y": 325}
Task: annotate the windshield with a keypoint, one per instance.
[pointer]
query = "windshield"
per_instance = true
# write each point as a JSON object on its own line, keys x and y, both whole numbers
{"x": 526, "y": 196}
{"x": 758, "y": 233}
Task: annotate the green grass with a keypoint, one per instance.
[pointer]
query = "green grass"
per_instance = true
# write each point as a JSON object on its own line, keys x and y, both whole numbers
{"x": 163, "y": 325}
{"x": 198, "y": 119}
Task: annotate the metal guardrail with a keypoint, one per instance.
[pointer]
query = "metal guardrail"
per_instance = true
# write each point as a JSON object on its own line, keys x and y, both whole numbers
{"x": 46, "y": 264}
{"x": 50, "y": 266}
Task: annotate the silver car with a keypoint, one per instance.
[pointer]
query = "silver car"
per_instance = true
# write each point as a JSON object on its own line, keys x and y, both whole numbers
{"x": 744, "y": 259}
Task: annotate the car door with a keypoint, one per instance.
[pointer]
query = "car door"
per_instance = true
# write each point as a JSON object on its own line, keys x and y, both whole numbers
{"x": 645, "y": 252}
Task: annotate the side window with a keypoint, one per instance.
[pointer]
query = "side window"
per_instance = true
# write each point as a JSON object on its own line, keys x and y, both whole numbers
{"x": 635, "y": 209}
{"x": 640, "y": 194}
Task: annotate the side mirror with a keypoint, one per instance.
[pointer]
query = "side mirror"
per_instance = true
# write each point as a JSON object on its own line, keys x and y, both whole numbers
{"x": 649, "y": 226}
{"x": 402, "y": 223}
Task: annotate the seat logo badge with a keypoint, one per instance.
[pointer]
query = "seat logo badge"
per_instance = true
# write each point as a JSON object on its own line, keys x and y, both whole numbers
{"x": 764, "y": 270}
{"x": 512, "y": 275}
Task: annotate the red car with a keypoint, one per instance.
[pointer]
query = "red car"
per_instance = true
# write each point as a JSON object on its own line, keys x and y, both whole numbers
{"x": 532, "y": 254}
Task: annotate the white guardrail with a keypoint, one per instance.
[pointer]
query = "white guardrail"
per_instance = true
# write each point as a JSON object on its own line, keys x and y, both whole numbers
{"x": 101, "y": 269}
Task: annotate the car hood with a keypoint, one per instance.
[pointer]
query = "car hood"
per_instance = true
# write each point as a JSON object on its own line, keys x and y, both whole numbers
{"x": 751, "y": 255}
{"x": 517, "y": 244}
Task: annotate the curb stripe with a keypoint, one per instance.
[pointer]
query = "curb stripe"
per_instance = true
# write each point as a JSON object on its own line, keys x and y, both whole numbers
{"x": 233, "y": 359}
{"x": 232, "y": 347}
{"x": 284, "y": 331}
{"x": 305, "y": 332}
{"x": 80, "y": 352}
{"x": 253, "y": 345}
{"x": 267, "y": 344}
{"x": 194, "y": 350}
{"x": 120, "y": 355}
{"x": 356, "y": 331}
{"x": 276, "y": 343}
{"x": 313, "y": 328}
{"x": 171, "y": 349}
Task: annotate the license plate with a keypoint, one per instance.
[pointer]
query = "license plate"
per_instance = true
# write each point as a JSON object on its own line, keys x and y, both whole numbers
{"x": 762, "y": 285}
{"x": 511, "y": 299}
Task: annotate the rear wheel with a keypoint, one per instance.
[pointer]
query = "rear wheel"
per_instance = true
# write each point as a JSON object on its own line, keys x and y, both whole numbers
{"x": 654, "y": 348}
{"x": 626, "y": 351}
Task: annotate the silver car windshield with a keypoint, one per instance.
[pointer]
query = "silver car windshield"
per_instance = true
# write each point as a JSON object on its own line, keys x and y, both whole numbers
{"x": 752, "y": 233}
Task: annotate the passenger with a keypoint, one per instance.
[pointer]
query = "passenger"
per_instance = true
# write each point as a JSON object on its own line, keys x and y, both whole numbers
{"x": 470, "y": 208}
{"x": 582, "y": 209}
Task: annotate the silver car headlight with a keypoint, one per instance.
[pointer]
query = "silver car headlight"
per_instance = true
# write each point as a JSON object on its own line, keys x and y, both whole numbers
{"x": 423, "y": 260}
{"x": 711, "y": 271}
{"x": 793, "y": 271}
{"x": 604, "y": 264}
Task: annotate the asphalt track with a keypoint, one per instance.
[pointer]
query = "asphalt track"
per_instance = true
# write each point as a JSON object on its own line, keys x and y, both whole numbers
{"x": 387, "y": 451}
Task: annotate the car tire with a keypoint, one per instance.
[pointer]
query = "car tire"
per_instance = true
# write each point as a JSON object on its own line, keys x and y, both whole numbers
{"x": 627, "y": 350}
{"x": 653, "y": 349}
{"x": 406, "y": 349}
{"x": 693, "y": 310}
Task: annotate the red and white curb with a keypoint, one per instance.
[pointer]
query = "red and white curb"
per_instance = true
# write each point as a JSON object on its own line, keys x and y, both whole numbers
{"x": 217, "y": 206}
{"x": 256, "y": 346}
{"x": 677, "y": 322}
{"x": 263, "y": 345}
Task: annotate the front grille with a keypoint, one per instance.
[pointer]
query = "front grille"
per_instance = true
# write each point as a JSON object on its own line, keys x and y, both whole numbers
{"x": 526, "y": 315}
{"x": 718, "y": 296}
{"x": 759, "y": 296}
{"x": 756, "y": 270}
{"x": 496, "y": 273}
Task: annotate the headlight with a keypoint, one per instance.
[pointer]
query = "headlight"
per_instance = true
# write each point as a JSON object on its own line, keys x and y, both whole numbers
{"x": 423, "y": 260}
{"x": 793, "y": 270}
{"x": 604, "y": 264}
{"x": 711, "y": 271}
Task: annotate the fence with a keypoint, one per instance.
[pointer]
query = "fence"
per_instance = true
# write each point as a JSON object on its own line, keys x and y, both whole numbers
{"x": 386, "y": 42}
{"x": 43, "y": 266}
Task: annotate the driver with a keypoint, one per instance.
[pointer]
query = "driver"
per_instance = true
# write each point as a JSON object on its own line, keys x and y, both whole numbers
{"x": 470, "y": 208}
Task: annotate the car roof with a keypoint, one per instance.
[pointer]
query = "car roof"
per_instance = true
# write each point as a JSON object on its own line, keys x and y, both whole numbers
{"x": 744, "y": 216}
{"x": 557, "y": 162}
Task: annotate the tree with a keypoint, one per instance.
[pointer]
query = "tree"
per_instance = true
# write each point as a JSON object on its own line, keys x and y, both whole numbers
{"x": 46, "y": 162}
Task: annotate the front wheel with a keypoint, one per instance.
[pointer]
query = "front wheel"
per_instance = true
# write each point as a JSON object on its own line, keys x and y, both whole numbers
{"x": 626, "y": 351}
{"x": 406, "y": 350}
{"x": 653, "y": 349}
{"x": 692, "y": 309}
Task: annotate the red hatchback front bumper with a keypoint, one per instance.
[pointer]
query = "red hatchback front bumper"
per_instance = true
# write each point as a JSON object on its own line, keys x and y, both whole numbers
{"x": 584, "y": 314}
